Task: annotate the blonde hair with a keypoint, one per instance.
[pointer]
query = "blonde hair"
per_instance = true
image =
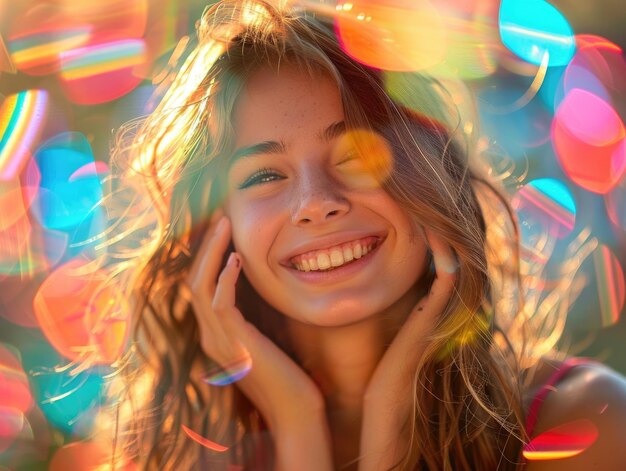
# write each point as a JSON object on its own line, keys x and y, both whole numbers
{"x": 468, "y": 411}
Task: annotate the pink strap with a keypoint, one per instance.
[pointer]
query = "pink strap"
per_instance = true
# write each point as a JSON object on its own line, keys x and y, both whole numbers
{"x": 535, "y": 406}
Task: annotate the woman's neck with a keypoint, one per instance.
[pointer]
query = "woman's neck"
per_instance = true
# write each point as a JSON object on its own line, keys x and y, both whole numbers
{"x": 341, "y": 360}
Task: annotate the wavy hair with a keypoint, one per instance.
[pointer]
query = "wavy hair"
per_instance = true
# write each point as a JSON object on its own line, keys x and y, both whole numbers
{"x": 468, "y": 389}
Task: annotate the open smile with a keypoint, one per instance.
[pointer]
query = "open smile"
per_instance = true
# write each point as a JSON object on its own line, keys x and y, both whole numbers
{"x": 336, "y": 256}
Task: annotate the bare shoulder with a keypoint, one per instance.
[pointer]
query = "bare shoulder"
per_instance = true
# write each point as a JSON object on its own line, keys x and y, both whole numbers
{"x": 595, "y": 396}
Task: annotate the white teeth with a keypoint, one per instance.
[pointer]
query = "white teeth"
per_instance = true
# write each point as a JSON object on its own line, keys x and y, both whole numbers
{"x": 347, "y": 254}
{"x": 336, "y": 258}
{"x": 323, "y": 261}
{"x": 332, "y": 257}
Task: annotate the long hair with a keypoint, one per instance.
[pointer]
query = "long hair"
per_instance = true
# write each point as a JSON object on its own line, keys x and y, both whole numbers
{"x": 468, "y": 405}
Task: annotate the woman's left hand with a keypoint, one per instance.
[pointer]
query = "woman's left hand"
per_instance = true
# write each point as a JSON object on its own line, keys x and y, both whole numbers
{"x": 389, "y": 396}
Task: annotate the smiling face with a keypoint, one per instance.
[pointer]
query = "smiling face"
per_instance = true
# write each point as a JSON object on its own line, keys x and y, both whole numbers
{"x": 321, "y": 242}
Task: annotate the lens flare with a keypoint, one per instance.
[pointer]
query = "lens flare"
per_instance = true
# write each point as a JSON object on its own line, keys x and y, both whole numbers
{"x": 363, "y": 159}
{"x": 40, "y": 35}
{"x": 76, "y": 310}
{"x": 598, "y": 67}
{"x": 564, "y": 441}
{"x": 615, "y": 202}
{"x": 533, "y": 28}
{"x": 45, "y": 32}
{"x": 103, "y": 72}
{"x": 111, "y": 19}
{"x": 547, "y": 202}
{"x": 205, "y": 442}
{"x": 11, "y": 425}
{"x": 21, "y": 118}
{"x": 588, "y": 137}
{"x": 25, "y": 247}
{"x": 402, "y": 35}
{"x": 15, "y": 397}
{"x": 68, "y": 397}
{"x": 15, "y": 228}
{"x": 610, "y": 283}
{"x": 14, "y": 390}
{"x": 228, "y": 374}
{"x": 62, "y": 204}
{"x": 84, "y": 456}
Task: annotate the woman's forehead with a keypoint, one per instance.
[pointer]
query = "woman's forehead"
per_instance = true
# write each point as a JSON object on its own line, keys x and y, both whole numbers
{"x": 285, "y": 101}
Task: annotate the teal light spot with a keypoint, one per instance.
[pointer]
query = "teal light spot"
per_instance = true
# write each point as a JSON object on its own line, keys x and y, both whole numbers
{"x": 556, "y": 191}
{"x": 532, "y": 28}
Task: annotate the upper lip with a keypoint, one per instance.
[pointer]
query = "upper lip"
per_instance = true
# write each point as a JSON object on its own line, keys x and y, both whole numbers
{"x": 329, "y": 241}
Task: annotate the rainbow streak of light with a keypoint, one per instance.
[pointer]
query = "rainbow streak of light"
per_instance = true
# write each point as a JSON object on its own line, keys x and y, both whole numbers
{"x": 551, "y": 454}
{"x": 205, "y": 442}
{"x": 21, "y": 116}
{"x": 102, "y": 58}
{"x": 564, "y": 441}
{"x": 560, "y": 210}
{"x": 229, "y": 373}
{"x": 45, "y": 46}
{"x": 610, "y": 282}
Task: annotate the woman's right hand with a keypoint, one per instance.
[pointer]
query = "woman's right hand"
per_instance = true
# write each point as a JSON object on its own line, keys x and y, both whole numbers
{"x": 287, "y": 398}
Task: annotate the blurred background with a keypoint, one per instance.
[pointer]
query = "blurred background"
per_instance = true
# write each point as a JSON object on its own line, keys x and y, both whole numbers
{"x": 542, "y": 91}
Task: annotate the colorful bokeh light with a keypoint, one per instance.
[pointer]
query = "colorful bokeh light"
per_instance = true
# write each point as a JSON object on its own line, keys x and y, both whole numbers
{"x": 87, "y": 456}
{"x": 609, "y": 278}
{"x": 549, "y": 203}
{"x": 589, "y": 140}
{"x": 102, "y": 72}
{"x": 545, "y": 106}
{"x": 21, "y": 119}
{"x": 62, "y": 204}
{"x": 76, "y": 311}
{"x": 402, "y": 35}
{"x": 533, "y": 29}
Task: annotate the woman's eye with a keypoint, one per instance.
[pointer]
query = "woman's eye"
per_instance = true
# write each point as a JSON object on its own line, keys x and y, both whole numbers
{"x": 349, "y": 157}
{"x": 265, "y": 175}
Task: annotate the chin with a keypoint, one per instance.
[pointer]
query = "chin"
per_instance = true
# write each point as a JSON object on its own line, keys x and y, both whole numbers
{"x": 339, "y": 314}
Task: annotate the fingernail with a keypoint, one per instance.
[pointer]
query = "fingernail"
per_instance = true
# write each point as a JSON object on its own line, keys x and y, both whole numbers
{"x": 234, "y": 259}
{"x": 446, "y": 264}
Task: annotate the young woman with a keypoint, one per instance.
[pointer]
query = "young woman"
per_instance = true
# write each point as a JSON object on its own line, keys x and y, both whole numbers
{"x": 326, "y": 282}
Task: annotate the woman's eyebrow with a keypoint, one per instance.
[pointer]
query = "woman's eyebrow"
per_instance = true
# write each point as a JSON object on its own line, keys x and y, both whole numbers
{"x": 267, "y": 147}
{"x": 274, "y": 147}
{"x": 333, "y": 131}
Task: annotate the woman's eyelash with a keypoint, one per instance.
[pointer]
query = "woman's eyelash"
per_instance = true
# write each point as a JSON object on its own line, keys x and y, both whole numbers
{"x": 349, "y": 156}
{"x": 264, "y": 175}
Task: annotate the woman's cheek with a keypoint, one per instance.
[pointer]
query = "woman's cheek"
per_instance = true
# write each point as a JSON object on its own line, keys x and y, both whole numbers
{"x": 248, "y": 232}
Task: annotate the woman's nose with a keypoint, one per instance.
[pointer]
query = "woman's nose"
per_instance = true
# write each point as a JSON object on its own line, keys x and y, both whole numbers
{"x": 318, "y": 199}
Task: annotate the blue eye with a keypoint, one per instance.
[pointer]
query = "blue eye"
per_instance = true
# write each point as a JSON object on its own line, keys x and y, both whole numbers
{"x": 265, "y": 175}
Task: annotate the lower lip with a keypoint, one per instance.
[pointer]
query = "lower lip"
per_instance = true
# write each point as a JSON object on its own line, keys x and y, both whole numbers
{"x": 339, "y": 273}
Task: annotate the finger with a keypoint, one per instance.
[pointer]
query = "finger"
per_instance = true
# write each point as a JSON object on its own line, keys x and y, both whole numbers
{"x": 226, "y": 316}
{"x": 225, "y": 291}
{"x": 219, "y": 319}
{"x": 443, "y": 256}
{"x": 207, "y": 263}
{"x": 443, "y": 285}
